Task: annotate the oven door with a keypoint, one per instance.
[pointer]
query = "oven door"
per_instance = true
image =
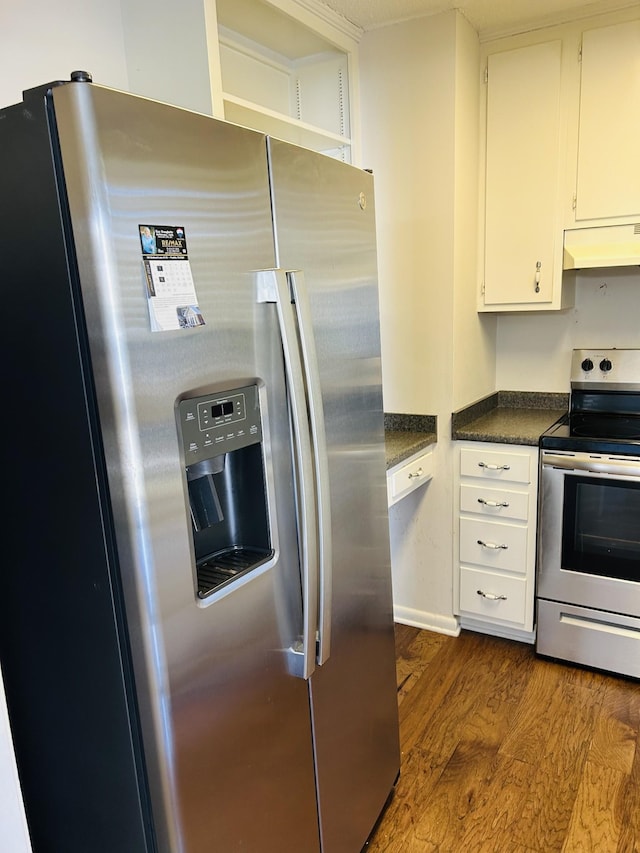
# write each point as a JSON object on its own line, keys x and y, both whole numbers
{"x": 589, "y": 531}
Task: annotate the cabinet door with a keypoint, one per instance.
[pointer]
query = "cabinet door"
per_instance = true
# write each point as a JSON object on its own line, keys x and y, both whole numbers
{"x": 608, "y": 162}
{"x": 522, "y": 174}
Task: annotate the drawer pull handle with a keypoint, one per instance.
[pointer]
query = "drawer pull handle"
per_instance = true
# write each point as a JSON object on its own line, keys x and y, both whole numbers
{"x": 493, "y": 503}
{"x": 492, "y": 545}
{"x": 491, "y": 466}
{"x": 491, "y": 597}
{"x": 416, "y": 474}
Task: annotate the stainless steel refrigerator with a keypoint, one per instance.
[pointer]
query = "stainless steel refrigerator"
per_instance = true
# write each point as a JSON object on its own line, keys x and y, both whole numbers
{"x": 196, "y": 627}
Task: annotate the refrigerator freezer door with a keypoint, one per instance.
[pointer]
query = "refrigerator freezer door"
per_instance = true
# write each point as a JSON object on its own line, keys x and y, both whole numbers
{"x": 325, "y": 227}
{"x": 66, "y": 672}
{"x": 225, "y": 725}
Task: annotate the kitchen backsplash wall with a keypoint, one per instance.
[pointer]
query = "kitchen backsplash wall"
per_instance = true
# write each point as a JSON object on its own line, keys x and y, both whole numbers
{"x": 534, "y": 351}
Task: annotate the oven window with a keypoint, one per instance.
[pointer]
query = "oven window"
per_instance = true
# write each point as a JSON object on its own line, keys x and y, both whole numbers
{"x": 601, "y": 527}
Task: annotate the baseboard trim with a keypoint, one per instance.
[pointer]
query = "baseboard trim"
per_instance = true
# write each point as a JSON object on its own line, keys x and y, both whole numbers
{"x": 498, "y": 631}
{"x": 437, "y": 622}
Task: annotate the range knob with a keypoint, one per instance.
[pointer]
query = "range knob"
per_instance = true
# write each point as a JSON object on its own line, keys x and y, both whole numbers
{"x": 605, "y": 365}
{"x": 587, "y": 364}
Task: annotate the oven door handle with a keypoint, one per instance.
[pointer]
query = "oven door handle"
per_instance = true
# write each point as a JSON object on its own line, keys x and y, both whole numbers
{"x": 625, "y": 467}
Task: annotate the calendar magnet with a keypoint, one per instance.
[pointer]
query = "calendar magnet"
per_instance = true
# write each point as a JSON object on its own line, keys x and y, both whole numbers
{"x": 171, "y": 292}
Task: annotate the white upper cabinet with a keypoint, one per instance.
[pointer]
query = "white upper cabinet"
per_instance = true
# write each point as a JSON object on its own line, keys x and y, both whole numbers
{"x": 608, "y": 170}
{"x": 522, "y": 264}
{"x": 560, "y": 128}
{"x": 289, "y": 74}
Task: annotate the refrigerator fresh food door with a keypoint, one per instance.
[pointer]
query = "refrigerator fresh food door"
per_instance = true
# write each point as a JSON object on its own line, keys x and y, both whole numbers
{"x": 179, "y": 344}
{"x": 325, "y": 243}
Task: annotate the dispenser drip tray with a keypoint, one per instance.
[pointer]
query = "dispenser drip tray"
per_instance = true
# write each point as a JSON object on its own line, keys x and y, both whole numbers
{"x": 225, "y": 566}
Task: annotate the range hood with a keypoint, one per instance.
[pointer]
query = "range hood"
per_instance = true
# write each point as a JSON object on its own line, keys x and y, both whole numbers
{"x": 602, "y": 246}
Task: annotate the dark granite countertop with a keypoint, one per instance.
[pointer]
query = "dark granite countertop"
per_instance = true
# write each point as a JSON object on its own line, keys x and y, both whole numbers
{"x": 509, "y": 417}
{"x": 405, "y": 435}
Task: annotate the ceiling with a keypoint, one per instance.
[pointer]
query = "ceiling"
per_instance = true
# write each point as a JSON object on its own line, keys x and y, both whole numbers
{"x": 486, "y": 16}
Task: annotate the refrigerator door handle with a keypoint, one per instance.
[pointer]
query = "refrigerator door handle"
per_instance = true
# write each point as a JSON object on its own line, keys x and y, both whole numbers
{"x": 273, "y": 286}
{"x": 316, "y": 417}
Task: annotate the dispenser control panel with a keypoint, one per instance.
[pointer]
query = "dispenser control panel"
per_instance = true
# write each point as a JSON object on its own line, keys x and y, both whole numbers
{"x": 221, "y": 411}
{"x": 218, "y": 423}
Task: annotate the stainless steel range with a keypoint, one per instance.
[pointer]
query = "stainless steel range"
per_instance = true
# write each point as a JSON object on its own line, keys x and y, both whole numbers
{"x": 588, "y": 585}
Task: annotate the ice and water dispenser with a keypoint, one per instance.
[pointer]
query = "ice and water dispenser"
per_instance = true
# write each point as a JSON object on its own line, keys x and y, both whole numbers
{"x": 222, "y": 440}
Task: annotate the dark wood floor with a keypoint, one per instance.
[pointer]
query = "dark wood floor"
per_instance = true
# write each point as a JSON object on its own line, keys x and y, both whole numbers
{"x": 504, "y": 752}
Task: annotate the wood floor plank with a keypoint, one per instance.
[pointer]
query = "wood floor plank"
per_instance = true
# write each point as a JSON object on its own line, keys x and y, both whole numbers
{"x": 427, "y": 696}
{"x": 405, "y": 635}
{"x": 470, "y": 722}
{"x": 547, "y": 806}
{"x": 463, "y": 675}
{"x": 629, "y": 841}
{"x": 527, "y": 739}
{"x": 617, "y": 728}
{"x": 595, "y": 824}
{"x": 507, "y": 752}
{"x": 476, "y": 778}
{"x": 489, "y": 826}
{"x": 569, "y": 722}
{"x": 555, "y": 716}
{"x": 454, "y": 796}
{"x": 565, "y": 716}
{"x": 414, "y": 654}
{"x": 397, "y": 833}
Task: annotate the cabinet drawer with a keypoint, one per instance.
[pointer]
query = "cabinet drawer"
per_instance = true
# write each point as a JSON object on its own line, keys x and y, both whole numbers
{"x": 493, "y": 596}
{"x": 494, "y": 503}
{"x": 495, "y": 465}
{"x": 409, "y": 476}
{"x": 490, "y": 543}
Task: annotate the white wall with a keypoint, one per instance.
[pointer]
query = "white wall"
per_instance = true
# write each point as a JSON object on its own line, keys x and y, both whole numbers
{"x": 14, "y": 836}
{"x": 41, "y": 41}
{"x": 420, "y": 82}
{"x": 419, "y": 93}
{"x": 534, "y": 351}
{"x": 407, "y": 96}
{"x": 474, "y": 341}
{"x": 167, "y": 52}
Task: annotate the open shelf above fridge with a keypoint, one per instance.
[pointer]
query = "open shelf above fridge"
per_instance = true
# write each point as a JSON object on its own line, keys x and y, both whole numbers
{"x": 286, "y": 72}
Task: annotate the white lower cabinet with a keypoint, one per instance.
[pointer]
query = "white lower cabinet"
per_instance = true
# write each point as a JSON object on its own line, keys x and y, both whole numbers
{"x": 495, "y": 538}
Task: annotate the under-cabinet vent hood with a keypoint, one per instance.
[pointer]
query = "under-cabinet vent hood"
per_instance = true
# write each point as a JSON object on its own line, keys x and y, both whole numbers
{"x": 602, "y": 246}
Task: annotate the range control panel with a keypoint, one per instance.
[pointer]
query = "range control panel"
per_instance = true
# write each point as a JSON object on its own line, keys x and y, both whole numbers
{"x": 618, "y": 369}
{"x": 215, "y": 424}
